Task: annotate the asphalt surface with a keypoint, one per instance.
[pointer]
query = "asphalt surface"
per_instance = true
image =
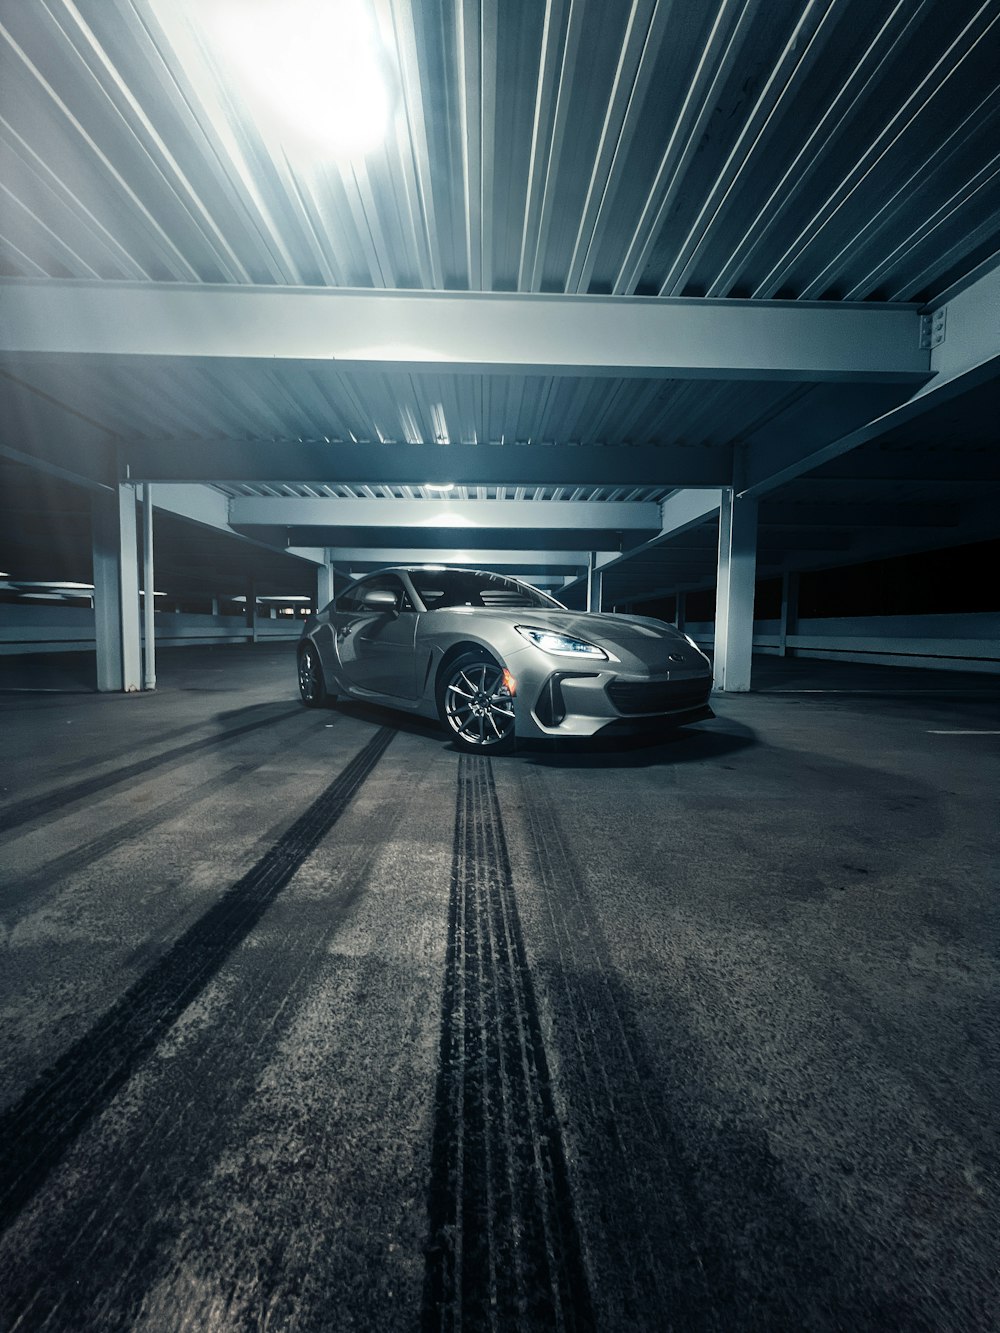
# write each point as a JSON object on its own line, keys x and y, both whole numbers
{"x": 308, "y": 1022}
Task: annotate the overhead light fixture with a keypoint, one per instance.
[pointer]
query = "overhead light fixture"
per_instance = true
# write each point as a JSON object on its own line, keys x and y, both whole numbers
{"x": 54, "y": 583}
{"x": 439, "y": 485}
{"x": 318, "y": 68}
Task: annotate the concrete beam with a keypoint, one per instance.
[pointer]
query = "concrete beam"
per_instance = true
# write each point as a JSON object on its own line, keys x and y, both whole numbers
{"x": 687, "y": 509}
{"x": 418, "y": 464}
{"x": 248, "y": 511}
{"x": 431, "y": 540}
{"x": 469, "y": 556}
{"x": 469, "y": 331}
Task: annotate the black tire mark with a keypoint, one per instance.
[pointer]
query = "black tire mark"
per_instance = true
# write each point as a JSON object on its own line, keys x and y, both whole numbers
{"x": 104, "y": 1245}
{"x": 696, "y": 1225}
{"x": 52, "y": 802}
{"x": 504, "y": 1251}
{"x": 39, "y": 1128}
{"x": 614, "y": 1087}
{"x": 47, "y": 877}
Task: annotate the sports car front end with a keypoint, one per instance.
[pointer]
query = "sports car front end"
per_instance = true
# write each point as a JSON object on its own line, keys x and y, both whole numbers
{"x": 579, "y": 674}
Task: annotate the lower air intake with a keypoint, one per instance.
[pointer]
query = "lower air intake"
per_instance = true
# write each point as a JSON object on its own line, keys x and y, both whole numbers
{"x": 658, "y": 696}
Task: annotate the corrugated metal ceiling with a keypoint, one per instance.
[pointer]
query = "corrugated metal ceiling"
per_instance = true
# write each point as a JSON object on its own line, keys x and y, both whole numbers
{"x": 799, "y": 148}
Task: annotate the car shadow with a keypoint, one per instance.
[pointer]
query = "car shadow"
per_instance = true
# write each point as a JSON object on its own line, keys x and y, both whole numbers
{"x": 678, "y": 745}
{"x": 710, "y": 739}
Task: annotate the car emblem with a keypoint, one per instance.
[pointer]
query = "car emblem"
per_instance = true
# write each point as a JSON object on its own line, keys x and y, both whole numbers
{"x": 676, "y": 657}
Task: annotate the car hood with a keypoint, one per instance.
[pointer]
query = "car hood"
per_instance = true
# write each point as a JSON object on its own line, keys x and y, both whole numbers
{"x": 648, "y": 642}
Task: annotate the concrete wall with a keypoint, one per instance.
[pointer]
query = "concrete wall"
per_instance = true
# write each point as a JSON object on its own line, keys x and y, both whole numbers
{"x": 47, "y": 628}
{"x": 947, "y": 642}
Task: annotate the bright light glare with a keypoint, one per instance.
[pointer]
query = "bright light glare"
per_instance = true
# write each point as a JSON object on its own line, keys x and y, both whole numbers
{"x": 439, "y": 485}
{"x": 316, "y": 65}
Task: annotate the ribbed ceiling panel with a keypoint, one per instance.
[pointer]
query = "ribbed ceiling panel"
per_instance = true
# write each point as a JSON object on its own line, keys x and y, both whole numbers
{"x": 802, "y": 148}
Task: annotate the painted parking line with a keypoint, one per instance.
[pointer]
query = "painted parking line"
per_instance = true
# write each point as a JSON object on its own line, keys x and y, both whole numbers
{"x": 963, "y": 733}
{"x": 878, "y": 689}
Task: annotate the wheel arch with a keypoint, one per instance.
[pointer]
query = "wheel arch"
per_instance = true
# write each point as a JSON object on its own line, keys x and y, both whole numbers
{"x": 458, "y": 650}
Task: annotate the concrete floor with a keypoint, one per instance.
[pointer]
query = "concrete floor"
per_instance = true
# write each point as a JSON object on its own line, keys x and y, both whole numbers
{"x": 310, "y": 1023}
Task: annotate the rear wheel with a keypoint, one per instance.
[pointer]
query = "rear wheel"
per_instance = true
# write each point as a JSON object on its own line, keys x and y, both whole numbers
{"x": 476, "y": 705}
{"x": 312, "y": 686}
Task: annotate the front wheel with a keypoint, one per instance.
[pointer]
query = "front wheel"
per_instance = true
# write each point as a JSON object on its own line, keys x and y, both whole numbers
{"x": 312, "y": 686}
{"x": 477, "y": 706}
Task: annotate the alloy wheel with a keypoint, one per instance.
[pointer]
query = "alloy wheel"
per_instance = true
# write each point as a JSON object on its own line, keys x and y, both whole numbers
{"x": 478, "y": 706}
{"x": 311, "y": 685}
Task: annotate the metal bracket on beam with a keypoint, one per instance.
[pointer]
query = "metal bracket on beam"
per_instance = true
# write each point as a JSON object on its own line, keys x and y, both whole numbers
{"x": 933, "y": 329}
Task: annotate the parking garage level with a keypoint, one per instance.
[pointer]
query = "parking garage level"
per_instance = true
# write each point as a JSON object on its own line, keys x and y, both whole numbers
{"x": 310, "y": 1022}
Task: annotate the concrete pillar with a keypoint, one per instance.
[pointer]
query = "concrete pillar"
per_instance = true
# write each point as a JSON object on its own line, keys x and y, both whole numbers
{"x": 251, "y": 609}
{"x": 734, "y": 592}
{"x": 149, "y": 596}
{"x": 324, "y": 586}
{"x": 680, "y": 610}
{"x": 789, "y": 609}
{"x": 595, "y": 586}
{"x": 114, "y": 541}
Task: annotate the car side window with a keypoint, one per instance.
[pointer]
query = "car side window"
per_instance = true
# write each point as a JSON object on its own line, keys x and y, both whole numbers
{"x": 353, "y": 599}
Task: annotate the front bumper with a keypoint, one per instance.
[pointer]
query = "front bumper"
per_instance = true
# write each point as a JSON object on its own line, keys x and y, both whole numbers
{"x": 584, "y": 703}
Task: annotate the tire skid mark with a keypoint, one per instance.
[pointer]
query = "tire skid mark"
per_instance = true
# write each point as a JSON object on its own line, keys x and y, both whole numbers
{"x": 46, "y": 876}
{"x": 639, "y": 1182}
{"x": 55, "y": 802}
{"x": 504, "y": 1251}
{"x": 113, "y": 1225}
{"x": 51, "y": 1114}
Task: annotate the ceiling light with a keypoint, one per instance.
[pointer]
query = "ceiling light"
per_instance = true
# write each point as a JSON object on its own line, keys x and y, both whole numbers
{"x": 50, "y": 583}
{"x": 439, "y": 485}
{"x": 316, "y": 67}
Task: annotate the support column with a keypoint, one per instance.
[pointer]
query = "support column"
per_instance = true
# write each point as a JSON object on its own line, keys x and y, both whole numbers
{"x": 324, "y": 585}
{"x": 789, "y": 609}
{"x": 680, "y": 609}
{"x": 595, "y": 584}
{"x": 149, "y": 596}
{"x": 251, "y": 609}
{"x": 734, "y": 592}
{"x": 114, "y": 542}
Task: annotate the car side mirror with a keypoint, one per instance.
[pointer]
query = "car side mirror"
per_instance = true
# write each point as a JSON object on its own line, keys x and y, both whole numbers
{"x": 380, "y": 599}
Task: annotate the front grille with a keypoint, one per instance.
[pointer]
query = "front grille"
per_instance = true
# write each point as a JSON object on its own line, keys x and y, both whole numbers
{"x": 658, "y": 696}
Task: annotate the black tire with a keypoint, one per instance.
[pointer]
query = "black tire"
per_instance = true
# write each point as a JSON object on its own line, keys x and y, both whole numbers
{"x": 485, "y": 723}
{"x": 312, "y": 686}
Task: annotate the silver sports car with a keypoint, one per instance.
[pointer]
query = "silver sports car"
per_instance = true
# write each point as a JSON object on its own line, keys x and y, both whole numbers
{"x": 496, "y": 659}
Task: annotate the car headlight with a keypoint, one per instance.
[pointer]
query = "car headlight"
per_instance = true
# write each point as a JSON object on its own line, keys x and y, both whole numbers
{"x": 561, "y": 644}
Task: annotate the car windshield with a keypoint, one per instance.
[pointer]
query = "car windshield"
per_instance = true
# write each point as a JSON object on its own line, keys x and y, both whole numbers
{"x": 462, "y": 587}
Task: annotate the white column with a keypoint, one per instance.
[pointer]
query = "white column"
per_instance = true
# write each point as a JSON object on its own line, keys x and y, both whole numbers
{"x": 734, "y": 592}
{"x": 789, "y": 608}
{"x": 595, "y": 584}
{"x": 116, "y": 589}
{"x": 324, "y": 585}
{"x": 680, "y": 610}
{"x": 149, "y": 596}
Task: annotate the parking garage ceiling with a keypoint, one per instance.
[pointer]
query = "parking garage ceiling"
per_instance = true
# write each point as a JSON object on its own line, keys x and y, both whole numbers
{"x": 602, "y": 260}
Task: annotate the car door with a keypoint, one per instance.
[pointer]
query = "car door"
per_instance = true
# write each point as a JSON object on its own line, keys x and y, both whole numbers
{"x": 375, "y": 644}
